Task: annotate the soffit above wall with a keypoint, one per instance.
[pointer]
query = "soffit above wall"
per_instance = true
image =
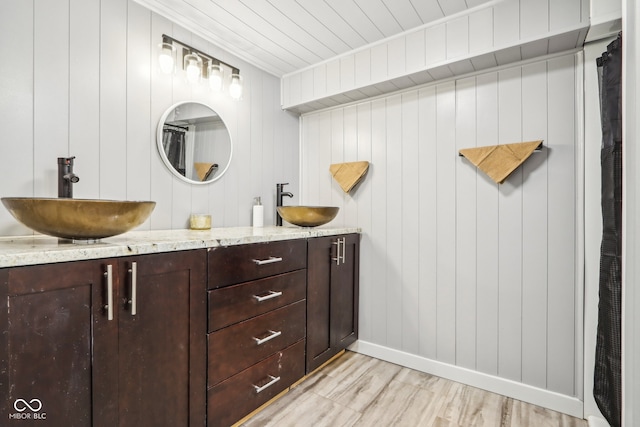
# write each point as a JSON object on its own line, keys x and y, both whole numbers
{"x": 283, "y": 36}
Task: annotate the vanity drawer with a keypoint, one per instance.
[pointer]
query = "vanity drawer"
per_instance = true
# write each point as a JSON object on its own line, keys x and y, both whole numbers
{"x": 237, "y": 347}
{"x": 233, "y": 304}
{"x": 239, "y": 395}
{"x": 237, "y": 264}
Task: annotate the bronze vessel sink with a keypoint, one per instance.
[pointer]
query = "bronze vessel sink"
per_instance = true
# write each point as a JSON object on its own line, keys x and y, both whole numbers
{"x": 78, "y": 219}
{"x": 308, "y": 216}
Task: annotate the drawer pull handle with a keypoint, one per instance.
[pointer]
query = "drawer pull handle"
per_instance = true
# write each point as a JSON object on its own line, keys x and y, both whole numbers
{"x": 273, "y": 334}
{"x": 271, "y": 260}
{"x": 267, "y": 385}
{"x": 271, "y": 294}
{"x": 109, "y": 305}
{"x": 133, "y": 271}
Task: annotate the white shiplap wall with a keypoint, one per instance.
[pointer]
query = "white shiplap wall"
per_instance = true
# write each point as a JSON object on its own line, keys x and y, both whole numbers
{"x": 82, "y": 80}
{"x": 460, "y": 276}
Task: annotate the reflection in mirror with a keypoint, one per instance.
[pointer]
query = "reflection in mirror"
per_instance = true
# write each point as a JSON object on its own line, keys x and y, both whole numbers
{"x": 194, "y": 142}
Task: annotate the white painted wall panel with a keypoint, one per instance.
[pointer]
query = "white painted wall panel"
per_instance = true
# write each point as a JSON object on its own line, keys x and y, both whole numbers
{"x": 394, "y": 221}
{"x": 397, "y": 57}
{"x": 534, "y": 227}
{"x": 410, "y": 222}
{"x": 436, "y": 44}
{"x": 494, "y": 288}
{"x": 510, "y": 231}
{"x": 466, "y": 227}
{"x": 84, "y": 94}
{"x": 378, "y": 175}
{"x": 562, "y": 194}
{"x": 458, "y": 37}
{"x": 99, "y": 95}
{"x": 536, "y": 14}
{"x": 488, "y": 220}
{"x": 428, "y": 227}
{"x": 379, "y": 63}
{"x": 415, "y": 47}
{"x": 446, "y": 220}
{"x": 481, "y": 30}
{"x": 333, "y": 76}
{"x": 51, "y": 88}
{"x": 17, "y": 107}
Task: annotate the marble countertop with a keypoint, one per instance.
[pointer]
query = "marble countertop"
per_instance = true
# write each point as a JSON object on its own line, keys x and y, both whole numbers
{"x": 39, "y": 249}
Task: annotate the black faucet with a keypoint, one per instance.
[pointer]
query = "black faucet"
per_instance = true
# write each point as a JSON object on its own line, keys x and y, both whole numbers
{"x": 279, "y": 195}
{"x": 66, "y": 177}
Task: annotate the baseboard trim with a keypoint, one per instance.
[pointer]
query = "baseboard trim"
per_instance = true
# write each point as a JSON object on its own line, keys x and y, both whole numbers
{"x": 526, "y": 393}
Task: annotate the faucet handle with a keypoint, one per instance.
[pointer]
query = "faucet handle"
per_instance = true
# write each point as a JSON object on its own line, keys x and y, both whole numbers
{"x": 66, "y": 160}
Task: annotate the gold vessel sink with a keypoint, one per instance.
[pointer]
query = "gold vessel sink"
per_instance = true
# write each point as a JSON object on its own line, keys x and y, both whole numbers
{"x": 78, "y": 219}
{"x": 308, "y": 216}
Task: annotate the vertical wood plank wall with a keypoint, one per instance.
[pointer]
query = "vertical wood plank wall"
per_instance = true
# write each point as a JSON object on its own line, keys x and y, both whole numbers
{"x": 455, "y": 268}
{"x": 83, "y": 80}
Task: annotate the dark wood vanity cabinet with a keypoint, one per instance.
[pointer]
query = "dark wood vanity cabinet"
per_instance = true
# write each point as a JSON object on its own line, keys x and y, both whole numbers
{"x": 69, "y": 358}
{"x": 332, "y": 296}
{"x": 183, "y": 338}
{"x": 257, "y": 321}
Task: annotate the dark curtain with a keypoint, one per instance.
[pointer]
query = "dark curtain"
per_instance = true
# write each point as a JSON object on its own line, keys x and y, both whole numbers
{"x": 173, "y": 142}
{"x": 607, "y": 388}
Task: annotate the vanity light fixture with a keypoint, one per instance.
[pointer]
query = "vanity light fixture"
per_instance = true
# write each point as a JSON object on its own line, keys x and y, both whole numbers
{"x": 193, "y": 67}
{"x": 167, "y": 56}
{"x": 235, "y": 86}
{"x": 199, "y": 66}
{"x": 216, "y": 76}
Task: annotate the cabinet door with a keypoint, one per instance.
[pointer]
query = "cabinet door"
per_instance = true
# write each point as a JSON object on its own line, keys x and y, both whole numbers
{"x": 57, "y": 362}
{"x": 344, "y": 293}
{"x": 162, "y": 336}
{"x": 332, "y": 296}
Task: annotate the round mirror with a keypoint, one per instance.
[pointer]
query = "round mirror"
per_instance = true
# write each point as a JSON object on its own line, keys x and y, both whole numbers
{"x": 194, "y": 142}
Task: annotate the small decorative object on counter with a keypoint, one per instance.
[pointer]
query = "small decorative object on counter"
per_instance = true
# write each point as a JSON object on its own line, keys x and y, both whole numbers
{"x": 200, "y": 222}
{"x": 258, "y": 212}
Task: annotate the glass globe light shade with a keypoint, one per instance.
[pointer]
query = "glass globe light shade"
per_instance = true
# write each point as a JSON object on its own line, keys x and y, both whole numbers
{"x": 166, "y": 58}
{"x": 215, "y": 77}
{"x": 235, "y": 87}
{"x": 193, "y": 67}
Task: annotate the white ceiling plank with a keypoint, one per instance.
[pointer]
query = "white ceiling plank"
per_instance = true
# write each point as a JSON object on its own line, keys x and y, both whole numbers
{"x": 449, "y": 7}
{"x": 199, "y": 23}
{"x": 258, "y": 29}
{"x": 405, "y": 13}
{"x": 428, "y": 10}
{"x": 358, "y": 19}
{"x": 474, "y": 3}
{"x": 289, "y": 27}
{"x": 247, "y": 42}
{"x": 284, "y": 36}
{"x": 310, "y": 23}
{"x": 334, "y": 22}
{"x": 378, "y": 13}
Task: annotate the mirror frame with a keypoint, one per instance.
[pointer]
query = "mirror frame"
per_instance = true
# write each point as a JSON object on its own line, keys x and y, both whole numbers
{"x": 164, "y": 157}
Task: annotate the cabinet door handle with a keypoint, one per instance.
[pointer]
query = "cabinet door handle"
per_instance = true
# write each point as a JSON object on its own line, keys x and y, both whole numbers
{"x": 271, "y": 260}
{"x": 272, "y": 381}
{"x": 272, "y": 335}
{"x": 133, "y": 272}
{"x": 337, "y": 257}
{"x": 271, "y": 294}
{"x": 344, "y": 250}
{"x": 109, "y": 305}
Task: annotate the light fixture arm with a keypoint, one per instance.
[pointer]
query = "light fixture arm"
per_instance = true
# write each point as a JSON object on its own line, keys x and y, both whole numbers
{"x": 205, "y": 57}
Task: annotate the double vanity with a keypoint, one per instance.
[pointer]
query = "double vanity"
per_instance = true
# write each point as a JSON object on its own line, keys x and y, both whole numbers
{"x": 170, "y": 328}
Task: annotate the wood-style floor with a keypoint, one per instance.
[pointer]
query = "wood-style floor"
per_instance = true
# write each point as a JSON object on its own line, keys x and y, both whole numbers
{"x": 357, "y": 390}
